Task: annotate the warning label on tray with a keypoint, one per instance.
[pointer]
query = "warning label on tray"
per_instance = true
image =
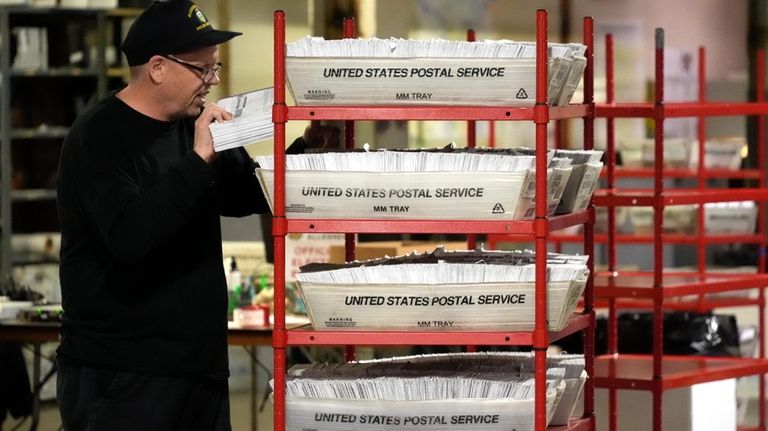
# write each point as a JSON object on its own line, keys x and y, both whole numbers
{"x": 340, "y": 322}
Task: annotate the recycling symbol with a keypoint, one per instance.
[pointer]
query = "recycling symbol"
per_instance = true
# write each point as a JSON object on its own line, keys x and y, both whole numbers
{"x": 498, "y": 209}
{"x": 521, "y": 94}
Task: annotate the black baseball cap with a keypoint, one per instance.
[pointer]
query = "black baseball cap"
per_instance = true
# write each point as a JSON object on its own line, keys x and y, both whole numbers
{"x": 170, "y": 27}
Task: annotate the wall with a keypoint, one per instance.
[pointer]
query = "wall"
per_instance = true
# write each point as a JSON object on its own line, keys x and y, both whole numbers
{"x": 720, "y": 26}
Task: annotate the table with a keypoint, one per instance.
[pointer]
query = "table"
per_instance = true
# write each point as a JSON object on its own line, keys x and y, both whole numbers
{"x": 37, "y": 333}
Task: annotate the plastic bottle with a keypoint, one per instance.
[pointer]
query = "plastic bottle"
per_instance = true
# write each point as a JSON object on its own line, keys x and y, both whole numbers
{"x": 234, "y": 287}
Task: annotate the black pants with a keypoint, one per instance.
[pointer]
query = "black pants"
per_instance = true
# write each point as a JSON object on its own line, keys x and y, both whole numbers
{"x": 97, "y": 399}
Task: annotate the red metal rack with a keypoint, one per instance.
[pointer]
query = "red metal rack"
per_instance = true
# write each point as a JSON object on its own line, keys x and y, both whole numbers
{"x": 655, "y": 289}
{"x": 538, "y": 229}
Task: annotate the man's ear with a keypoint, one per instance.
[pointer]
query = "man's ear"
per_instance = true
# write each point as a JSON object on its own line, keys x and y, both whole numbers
{"x": 157, "y": 67}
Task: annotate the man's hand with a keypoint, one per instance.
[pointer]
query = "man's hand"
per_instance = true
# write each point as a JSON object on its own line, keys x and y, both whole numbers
{"x": 203, "y": 139}
{"x": 319, "y": 136}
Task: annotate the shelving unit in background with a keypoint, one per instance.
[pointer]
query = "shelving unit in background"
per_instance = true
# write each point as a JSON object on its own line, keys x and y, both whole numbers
{"x": 653, "y": 289}
{"x": 38, "y": 104}
{"x": 536, "y": 230}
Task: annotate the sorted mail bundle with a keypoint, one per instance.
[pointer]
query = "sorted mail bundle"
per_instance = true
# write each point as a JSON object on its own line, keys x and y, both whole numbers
{"x": 441, "y": 290}
{"x": 401, "y": 71}
{"x": 573, "y": 365}
{"x": 582, "y": 181}
{"x": 719, "y": 153}
{"x": 720, "y": 218}
{"x": 251, "y": 122}
{"x": 448, "y": 184}
{"x": 478, "y": 391}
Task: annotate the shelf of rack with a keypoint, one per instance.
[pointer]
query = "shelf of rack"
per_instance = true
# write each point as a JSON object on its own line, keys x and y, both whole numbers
{"x": 647, "y": 172}
{"x": 677, "y": 304}
{"x": 524, "y": 228}
{"x": 55, "y": 72}
{"x": 679, "y": 109}
{"x": 305, "y": 336}
{"x": 636, "y": 284}
{"x": 624, "y": 371}
{"x": 42, "y": 132}
{"x": 432, "y": 112}
{"x": 661, "y": 290}
{"x": 33, "y": 195}
{"x": 537, "y": 230}
{"x": 118, "y": 72}
{"x": 645, "y": 197}
{"x": 672, "y": 238}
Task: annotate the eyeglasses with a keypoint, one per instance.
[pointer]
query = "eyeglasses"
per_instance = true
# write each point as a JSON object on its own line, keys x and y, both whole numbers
{"x": 206, "y": 73}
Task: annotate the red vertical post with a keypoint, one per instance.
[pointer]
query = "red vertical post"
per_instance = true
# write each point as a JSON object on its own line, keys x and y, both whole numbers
{"x": 471, "y": 124}
{"x": 279, "y": 225}
{"x": 658, "y": 218}
{"x": 589, "y": 228}
{"x": 471, "y": 143}
{"x": 491, "y": 134}
{"x": 541, "y": 119}
{"x": 760, "y": 98}
{"x": 701, "y": 178}
{"x": 349, "y": 29}
{"x": 349, "y": 32}
{"x": 613, "y": 338}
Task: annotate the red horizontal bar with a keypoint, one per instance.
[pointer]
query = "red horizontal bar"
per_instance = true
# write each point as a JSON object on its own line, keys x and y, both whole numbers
{"x": 422, "y": 112}
{"x": 645, "y": 197}
{"x": 636, "y": 371}
{"x": 624, "y": 110}
{"x": 400, "y": 338}
{"x": 446, "y": 338}
{"x": 567, "y": 220}
{"x": 623, "y": 198}
{"x": 568, "y": 111}
{"x": 712, "y": 109}
{"x": 668, "y": 238}
{"x": 521, "y": 228}
{"x": 680, "y": 109}
{"x": 640, "y": 284}
{"x": 647, "y": 172}
{"x": 701, "y": 306}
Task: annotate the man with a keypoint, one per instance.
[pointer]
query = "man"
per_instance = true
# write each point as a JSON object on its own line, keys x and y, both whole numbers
{"x": 140, "y": 192}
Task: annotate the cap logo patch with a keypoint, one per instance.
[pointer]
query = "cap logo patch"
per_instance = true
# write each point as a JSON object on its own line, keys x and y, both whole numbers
{"x": 195, "y": 10}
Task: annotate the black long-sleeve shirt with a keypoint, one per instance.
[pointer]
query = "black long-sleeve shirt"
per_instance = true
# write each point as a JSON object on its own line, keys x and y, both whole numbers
{"x": 142, "y": 279}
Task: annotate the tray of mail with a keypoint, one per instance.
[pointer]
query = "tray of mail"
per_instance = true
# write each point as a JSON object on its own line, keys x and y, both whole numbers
{"x": 428, "y": 72}
{"x": 441, "y": 291}
{"x": 408, "y": 184}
